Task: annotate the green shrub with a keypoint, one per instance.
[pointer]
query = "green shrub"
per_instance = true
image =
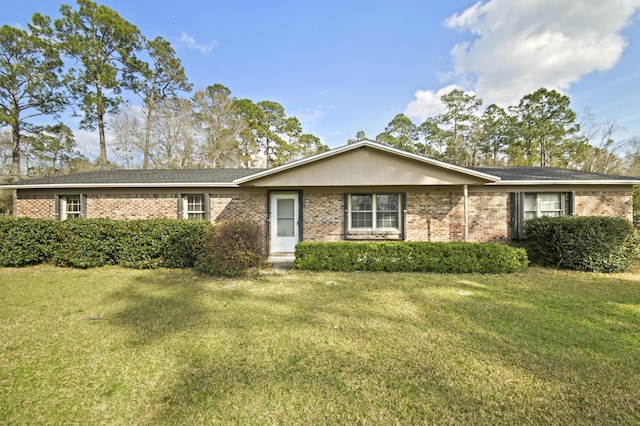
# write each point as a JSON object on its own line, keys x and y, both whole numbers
{"x": 160, "y": 243}
{"x": 25, "y": 241}
{"x": 410, "y": 257}
{"x": 587, "y": 243}
{"x": 232, "y": 247}
{"x": 87, "y": 243}
{"x": 90, "y": 243}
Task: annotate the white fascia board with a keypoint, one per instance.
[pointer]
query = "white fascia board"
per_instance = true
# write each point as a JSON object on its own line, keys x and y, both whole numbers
{"x": 123, "y": 185}
{"x": 563, "y": 182}
{"x": 370, "y": 144}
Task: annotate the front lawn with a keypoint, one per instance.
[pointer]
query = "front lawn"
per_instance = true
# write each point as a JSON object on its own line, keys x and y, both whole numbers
{"x": 119, "y": 346}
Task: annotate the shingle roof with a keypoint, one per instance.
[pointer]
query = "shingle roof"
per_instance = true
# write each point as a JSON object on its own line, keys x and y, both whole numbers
{"x": 146, "y": 177}
{"x": 547, "y": 174}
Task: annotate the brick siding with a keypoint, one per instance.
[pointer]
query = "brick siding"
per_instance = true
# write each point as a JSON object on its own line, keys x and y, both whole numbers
{"x": 430, "y": 216}
{"x": 604, "y": 203}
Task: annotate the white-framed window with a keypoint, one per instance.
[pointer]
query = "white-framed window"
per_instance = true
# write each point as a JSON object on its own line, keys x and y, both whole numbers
{"x": 543, "y": 204}
{"x": 193, "y": 206}
{"x": 374, "y": 211}
{"x": 71, "y": 206}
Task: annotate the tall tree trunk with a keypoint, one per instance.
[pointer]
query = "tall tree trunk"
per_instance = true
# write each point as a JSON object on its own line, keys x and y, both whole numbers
{"x": 15, "y": 152}
{"x": 100, "y": 112}
{"x": 147, "y": 134}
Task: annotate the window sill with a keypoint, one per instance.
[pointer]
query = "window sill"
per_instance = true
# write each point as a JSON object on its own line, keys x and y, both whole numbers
{"x": 374, "y": 234}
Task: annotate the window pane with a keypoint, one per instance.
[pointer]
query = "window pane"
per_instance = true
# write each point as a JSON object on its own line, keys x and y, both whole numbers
{"x": 285, "y": 208}
{"x": 286, "y": 227}
{"x": 387, "y": 202}
{"x": 361, "y": 219}
{"x": 550, "y": 202}
{"x": 387, "y": 220}
{"x": 361, "y": 202}
{"x": 530, "y": 202}
{"x": 194, "y": 207}
{"x": 73, "y": 207}
{"x": 286, "y": 217}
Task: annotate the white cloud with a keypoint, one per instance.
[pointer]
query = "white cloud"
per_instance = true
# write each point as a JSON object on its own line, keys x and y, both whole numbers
{"x": 518, "y": 46}
{"x": 191, "y": 43}
{"x": 427, "y": 103}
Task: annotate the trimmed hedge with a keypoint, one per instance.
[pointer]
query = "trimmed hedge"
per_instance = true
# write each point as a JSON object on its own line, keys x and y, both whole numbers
{"x": 25, "y": 242}
{"x": 91, "y": 243}
{"x": 232, "y": 247}
{"x": 454, "y": 258}
{"x": 583, "y": 243}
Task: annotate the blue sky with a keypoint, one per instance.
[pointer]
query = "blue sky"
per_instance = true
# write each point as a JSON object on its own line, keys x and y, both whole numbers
{"x": 345, "y": 66}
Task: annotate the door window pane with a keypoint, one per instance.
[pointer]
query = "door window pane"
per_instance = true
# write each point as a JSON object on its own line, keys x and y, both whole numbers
{"x": 286, "y": 217}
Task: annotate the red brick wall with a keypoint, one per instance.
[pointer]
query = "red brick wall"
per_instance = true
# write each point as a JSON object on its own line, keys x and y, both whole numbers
{"x": 132, "y": 206}
{"x": 431, "y": 215}
{"x": 489, "y": 216}
{"x": 323, "y": 216}
{"x": 36, "y": 206}
{"x": 148, "y": 206}
{"x": 601, "y": 203}
{"x": 239, "y": 206}
{"x": 435, "y": 216}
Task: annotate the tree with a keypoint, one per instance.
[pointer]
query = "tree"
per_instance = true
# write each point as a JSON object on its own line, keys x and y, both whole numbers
{"x": 220, "y": 125}
{"x": 128, "y": 132}
{"x": 104, "y": 44}
{"x": 162, "y": 79}
{"x": 545, "y": 123}
{"x": 459, "y": 122}
{"x": 360, "y": 136}
{"x": 176, "y": 146}
{"x": 53, "y": 148}
{"x": 29, "y": 82}
{"x": 434, "y": 141}
{"x": 400, "y": 133}
{"x": 496, "y": 132}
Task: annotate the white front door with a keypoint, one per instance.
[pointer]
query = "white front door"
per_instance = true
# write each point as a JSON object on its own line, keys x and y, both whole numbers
{"x": 284, "y": 222}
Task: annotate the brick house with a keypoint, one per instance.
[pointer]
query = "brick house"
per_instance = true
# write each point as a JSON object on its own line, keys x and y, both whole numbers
{"x": 363, "y": 191}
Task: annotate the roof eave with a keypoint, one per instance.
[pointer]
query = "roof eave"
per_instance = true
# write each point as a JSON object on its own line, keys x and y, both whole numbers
{"x": 124, "y": 185}
{"x": 565, "y": 182}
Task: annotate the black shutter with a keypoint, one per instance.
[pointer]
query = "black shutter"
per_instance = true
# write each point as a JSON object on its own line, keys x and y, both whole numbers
{"x": 571, "y": 198}
{"x": 83, "y": 206}
{"x": 517, "y": 215}
{"x": 179, "y": 206}
{"x": 403, "y": 217}
{"x": 56, "y": 200}
{"x": 346, "y": 216}
{"x": 207, "y": 206}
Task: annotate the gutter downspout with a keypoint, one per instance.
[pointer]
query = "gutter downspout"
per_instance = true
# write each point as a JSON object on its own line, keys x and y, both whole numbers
{"x": 465, "y": 189}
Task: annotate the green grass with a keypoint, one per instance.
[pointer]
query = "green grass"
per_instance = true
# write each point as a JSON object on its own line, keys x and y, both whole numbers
{"x": 118, "y": 346}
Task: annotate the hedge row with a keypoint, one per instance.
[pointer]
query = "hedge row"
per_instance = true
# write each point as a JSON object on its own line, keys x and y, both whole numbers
{"x": 97, "y": 242}
{"x": 452, "y": 258}
{"x": 583, "y": 243}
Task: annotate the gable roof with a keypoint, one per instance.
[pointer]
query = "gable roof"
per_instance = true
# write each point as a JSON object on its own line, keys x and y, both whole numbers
{"x": 463, "y": 173}
{"x": 380, "y": 161}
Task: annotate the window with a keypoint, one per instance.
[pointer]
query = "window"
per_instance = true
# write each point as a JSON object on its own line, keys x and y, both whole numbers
{"x": 536, "y": 205}
{"x": 71, "y": 206}
{"x": 528, "y": 205}
{"x": 194, "y": 206}
{"x": 374, "y": 211}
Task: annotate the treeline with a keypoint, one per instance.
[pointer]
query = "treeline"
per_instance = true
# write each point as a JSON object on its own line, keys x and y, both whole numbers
{"x": 87, "y": 61}
{"x": 542, "y": 130}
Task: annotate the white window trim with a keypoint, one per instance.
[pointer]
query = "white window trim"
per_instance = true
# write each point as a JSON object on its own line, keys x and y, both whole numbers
{"x": 64, "y": 207}
{"x": 185, "y": 206}
{"x": 374, "y": 218}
